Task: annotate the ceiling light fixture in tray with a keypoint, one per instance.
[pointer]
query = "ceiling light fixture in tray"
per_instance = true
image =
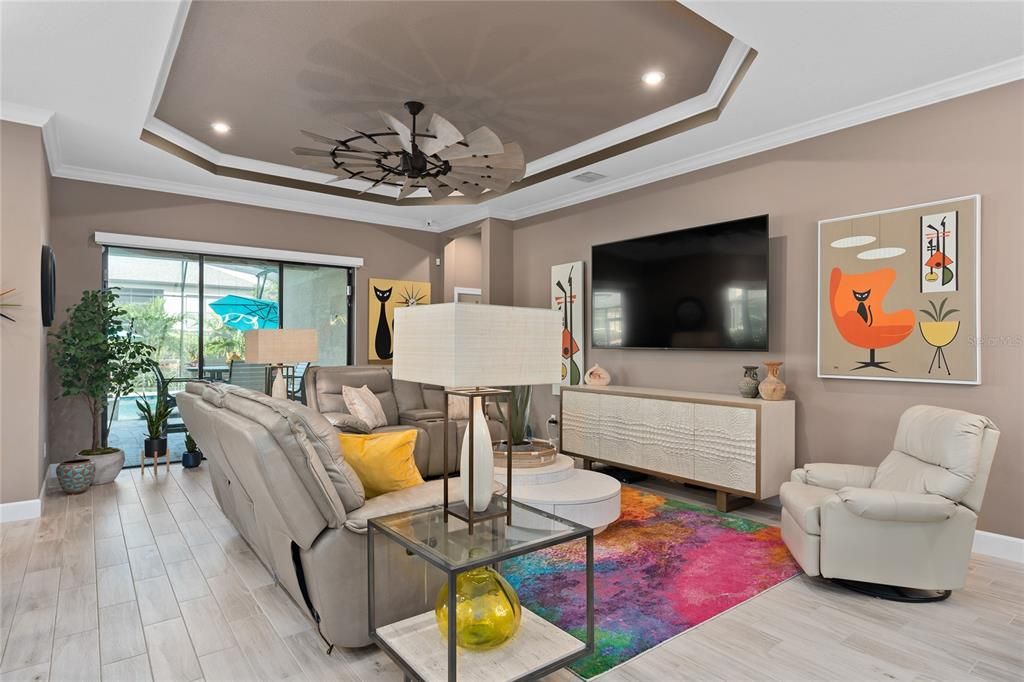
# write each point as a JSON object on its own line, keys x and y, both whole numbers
{"x": 441, "y": 159}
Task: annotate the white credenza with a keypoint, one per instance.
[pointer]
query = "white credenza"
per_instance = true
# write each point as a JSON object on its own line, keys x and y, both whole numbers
{"x": 736, "y": 446}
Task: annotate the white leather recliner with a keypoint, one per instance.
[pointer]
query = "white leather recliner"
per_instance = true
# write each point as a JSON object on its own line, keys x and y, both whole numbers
{"x": 908, "y": 523}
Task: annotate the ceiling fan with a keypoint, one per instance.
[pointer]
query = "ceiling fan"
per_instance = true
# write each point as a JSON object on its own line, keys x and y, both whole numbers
{"x": 440, "y": 159}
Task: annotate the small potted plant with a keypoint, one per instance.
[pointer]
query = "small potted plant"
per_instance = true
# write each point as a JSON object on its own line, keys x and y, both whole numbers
{"x": 526, "y": 451}
{"x": 98, "y": 358}
{"x": 155, "y": 416}
{"x": 192, "y": 456}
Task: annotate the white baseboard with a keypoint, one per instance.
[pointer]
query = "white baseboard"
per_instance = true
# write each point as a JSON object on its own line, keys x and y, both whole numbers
{"x": 1000, "y": 546}
{"x": 19, "y": 511}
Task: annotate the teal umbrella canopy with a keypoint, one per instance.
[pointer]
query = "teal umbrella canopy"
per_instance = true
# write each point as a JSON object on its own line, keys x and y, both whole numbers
{"x": 244, "y": 313}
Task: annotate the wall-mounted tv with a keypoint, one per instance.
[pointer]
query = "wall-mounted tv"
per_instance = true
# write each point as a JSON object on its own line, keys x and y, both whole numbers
{"x": 697, "y": 288}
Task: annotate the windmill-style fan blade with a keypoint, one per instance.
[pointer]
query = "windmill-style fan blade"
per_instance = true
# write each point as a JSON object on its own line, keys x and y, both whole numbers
{"x": 321, "y": 138}
{"x": 382, "y": 179}
{"x": 508, "y": 175}
{"x": 445, "y": 136}
{"x": 408, "y": 187}
{"x": 487, "y": 181}
{"x": 480, "y": 141}
{"x": 464, "y": 186}
{"x": 436, "y": 189}
{"x": 511, "y": 158}
{"x": 341, "y": 178}
{"x": 307, "y": 151}
{"x": 404, "y": 134}
{"x": 364, "y": 136}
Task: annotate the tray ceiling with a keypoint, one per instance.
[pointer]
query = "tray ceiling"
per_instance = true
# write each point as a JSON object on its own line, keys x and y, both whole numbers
{"x": 548, "y": 75}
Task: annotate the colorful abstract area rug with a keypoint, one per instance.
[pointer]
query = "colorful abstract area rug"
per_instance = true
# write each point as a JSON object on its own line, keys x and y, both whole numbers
{"x": 662, "y": 568}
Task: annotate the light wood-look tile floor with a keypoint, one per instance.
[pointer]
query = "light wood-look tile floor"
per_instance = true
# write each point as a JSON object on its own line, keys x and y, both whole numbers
{"x": 146, "y": 579}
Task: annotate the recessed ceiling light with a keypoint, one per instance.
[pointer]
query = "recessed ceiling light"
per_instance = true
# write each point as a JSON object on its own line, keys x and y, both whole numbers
{"x": 589, "y": 176}
{"x": 653, "y": 78}
{"x": 220, "y": 127}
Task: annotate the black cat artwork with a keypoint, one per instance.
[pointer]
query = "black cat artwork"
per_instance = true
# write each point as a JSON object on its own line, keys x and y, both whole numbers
{"x": 864, "y": 310}
{"x": 382, "y": 341}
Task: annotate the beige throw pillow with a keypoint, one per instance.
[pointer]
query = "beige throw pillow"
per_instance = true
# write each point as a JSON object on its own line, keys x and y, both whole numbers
{"x": 364, "y": 405}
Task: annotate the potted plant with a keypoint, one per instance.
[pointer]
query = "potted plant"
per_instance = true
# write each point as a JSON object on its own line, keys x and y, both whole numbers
{"x": 526, "y": 451}
{"x": 155, "y": 416}
{"x": 192, "y": 456}
{"x": 97, "y": 357}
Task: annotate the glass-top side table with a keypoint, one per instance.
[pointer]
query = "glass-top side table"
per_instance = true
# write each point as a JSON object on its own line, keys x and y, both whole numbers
{"x": 448, "y": 549}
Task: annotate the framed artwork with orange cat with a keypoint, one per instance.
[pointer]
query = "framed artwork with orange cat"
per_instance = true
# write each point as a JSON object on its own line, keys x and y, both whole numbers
{"x": 899, "y": 294}
{"x": 383, "y": 297}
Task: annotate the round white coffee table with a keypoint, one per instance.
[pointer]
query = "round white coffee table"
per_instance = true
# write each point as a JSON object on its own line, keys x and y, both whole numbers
{"x": 586, "y": 497}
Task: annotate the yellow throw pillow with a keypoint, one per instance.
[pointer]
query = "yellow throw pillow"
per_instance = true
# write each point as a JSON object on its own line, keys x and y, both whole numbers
{"x": 383, "y": 461}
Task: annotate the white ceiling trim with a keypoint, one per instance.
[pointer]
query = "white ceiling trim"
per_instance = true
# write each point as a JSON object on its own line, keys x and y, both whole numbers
{"x": 958, "y": 86}
{"x": 235, "y": 197}
{"x": 137, "y": 241}
{"x": 40, "y": 118}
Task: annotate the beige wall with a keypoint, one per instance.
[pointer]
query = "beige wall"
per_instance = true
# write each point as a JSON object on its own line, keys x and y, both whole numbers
{"x": 498, "y": 262}
{"x": 462, "y": 264}
{"x": 973, "y": 144}
{"x": 24, "y": 229}
{"x": 79, "y": 209}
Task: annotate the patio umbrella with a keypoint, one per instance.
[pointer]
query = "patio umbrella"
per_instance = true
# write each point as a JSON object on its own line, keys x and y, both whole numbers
{"x": 244, "y": 313}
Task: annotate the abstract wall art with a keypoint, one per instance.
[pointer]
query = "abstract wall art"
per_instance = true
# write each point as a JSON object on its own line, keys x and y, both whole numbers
{"x": 384, "y": 296}
{"x": 899, "y": 293}
{"x": 567, "y": 298}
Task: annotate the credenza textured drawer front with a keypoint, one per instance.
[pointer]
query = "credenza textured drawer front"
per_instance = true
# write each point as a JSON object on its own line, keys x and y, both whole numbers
{"x": 725, "y": 446}
{"x": 581, "y": 423}
{"x": 623, "y": 429}
{"x": 668, "y": 437}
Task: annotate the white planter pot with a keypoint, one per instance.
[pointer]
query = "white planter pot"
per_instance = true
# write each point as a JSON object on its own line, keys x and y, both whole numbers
{"x": 483, "y": 461}
{"x": 108, "y": 466}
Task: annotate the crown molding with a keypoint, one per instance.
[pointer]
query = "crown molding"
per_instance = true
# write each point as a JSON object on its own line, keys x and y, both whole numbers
{"x": 43, "y": 119}
{"x": 951, "y": 88}
{"x": 237, "y": 197}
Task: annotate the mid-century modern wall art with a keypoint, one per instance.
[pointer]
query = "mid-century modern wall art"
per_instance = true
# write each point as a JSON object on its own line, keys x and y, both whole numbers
{"x": 899, "y": 293}
{"x": 567, "y": 298}
{"x": 384, "y": 296}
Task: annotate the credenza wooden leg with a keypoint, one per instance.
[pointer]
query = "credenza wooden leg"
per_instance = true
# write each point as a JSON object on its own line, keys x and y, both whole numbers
{"x": 725, "y": 502}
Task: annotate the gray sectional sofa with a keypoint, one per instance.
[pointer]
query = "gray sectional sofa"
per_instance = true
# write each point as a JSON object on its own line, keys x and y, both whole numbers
{"x": 278, "y": 474}
{"x": 406, "y": 405}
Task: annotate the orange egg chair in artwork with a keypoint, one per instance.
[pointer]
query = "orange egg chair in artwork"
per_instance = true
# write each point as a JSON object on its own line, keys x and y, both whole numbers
{"x": 856, "y": 302}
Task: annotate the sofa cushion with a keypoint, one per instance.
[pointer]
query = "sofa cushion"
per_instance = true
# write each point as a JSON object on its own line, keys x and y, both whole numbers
{"x": 429, "y": 494}
{"x": 803, "y": 502}
{"x": 324, "y": 438}
{"x": 347, "y": 423}
{"x": 364, "y": 404}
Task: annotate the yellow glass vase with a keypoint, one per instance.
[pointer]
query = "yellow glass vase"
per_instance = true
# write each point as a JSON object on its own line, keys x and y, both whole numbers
{"x": 487, "y": 610}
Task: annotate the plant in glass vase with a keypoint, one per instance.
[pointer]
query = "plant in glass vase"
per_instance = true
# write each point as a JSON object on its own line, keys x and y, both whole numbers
{"x": 98, "y": 358}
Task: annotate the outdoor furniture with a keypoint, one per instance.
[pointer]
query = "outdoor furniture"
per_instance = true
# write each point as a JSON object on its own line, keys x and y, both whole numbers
{"x": 251, "y": 375}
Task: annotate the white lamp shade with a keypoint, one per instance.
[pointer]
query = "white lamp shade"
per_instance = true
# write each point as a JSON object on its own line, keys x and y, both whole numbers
{"x": 281, "y": 346}
{"x": 456, "y": 344}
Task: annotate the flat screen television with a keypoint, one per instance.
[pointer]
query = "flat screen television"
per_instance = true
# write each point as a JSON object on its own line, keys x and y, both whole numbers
{"x": 697, "y": 288}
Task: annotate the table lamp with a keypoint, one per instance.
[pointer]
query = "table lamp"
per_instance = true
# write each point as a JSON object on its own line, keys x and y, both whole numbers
{"x": 469, "y": 349}
{"x": 279, "y": 347}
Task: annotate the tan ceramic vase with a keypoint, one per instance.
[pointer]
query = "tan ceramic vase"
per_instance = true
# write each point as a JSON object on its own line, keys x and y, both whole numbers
{"x": 772, "y": 387}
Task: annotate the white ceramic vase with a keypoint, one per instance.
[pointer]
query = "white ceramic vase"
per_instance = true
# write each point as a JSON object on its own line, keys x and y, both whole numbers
{"x": 483, "y": 460}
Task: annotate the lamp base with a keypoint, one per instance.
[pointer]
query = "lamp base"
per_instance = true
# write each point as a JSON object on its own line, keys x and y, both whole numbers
{"x": 278, "y": 389}
{"x": 483, "y": 461}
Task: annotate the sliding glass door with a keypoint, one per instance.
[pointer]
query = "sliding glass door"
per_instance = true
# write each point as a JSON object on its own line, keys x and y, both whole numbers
{"x": 195, "y": 309}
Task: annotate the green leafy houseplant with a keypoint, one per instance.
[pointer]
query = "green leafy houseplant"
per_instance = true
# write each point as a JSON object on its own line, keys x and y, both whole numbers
{"x": 190, "y": 443}
{"x": 97, "y": 356}
{"x": 519, "y": 413}
{"x": 155, "y": 415}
